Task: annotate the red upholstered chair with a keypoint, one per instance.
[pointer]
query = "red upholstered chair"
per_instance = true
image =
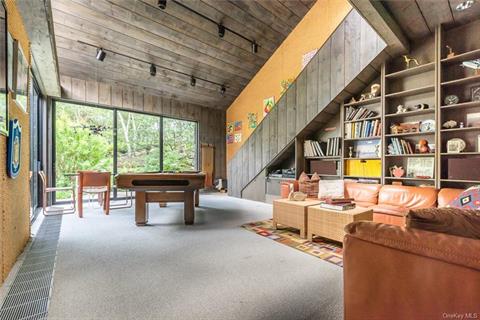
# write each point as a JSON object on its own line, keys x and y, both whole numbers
{"x": 94, "y": 182}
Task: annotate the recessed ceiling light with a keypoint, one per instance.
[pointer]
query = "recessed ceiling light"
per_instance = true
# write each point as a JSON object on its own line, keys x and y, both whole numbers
{"x": 465, "y": 5}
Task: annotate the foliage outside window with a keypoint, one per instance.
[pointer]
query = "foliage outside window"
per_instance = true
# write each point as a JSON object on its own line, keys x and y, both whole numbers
{"x": 179, "y": 145}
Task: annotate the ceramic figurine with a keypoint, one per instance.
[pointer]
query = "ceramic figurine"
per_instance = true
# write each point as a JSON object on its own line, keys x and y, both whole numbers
{"x": 450, "y": 124}
{"x": 375, "y": 90}
{"x": 401, "y": 109}
{"x": 423, "y": 146}
{"x": 350, "y": 152}
{"x": 408, "y": 59}
{"x": 397, "y": 172}
{"x": 450, "y": 53}
{"x": 461, "y": 125}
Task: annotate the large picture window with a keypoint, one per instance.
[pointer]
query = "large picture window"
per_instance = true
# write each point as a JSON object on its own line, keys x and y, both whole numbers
{"x": 94, "y": 138}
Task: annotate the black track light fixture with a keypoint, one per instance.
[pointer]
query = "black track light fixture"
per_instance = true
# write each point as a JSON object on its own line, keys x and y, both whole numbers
{"x": 153, "y": 70}
{"x": 223, "y": 90}
{"x": 221, "y": 30}
{"x": 101, "y": 54}
{"x": 254, "y": 47}
{"x": 162, "y": 4}
{"x": 193, "y": 81}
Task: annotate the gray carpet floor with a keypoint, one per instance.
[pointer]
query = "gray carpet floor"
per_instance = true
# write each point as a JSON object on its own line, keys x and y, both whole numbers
{"x": 107, "y": 268}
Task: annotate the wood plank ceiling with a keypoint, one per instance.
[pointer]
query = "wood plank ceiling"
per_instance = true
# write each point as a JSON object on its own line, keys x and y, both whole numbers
{"x": 174, "y": 38}
{"x": 418, "y": 18}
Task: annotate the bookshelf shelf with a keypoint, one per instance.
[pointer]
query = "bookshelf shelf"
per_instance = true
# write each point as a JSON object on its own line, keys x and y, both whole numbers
{"x": 411, "y": 71}
{"x": 462, "y": 57}
{"x": 411, "y": 179}
{"x": 362, "y": 177}
{"x": 366, "y": 158}
{"x": 364, "y": 102}
{"x": 329, "y": 175}
{"x": 411, "y": 92}
{"x": 470, "y": 104}
{"x": 410, "y": 113}
{"x": 461, "y": 81}
{"x": 365, "y": 138}
{"x": 364, "y": 119}
{"x": 410, "y": 134}
{"x": 461, "y": 129}
{"x": 460, "y": 181}
{"x": 323, "y": 158}
{"x": 460, "y": 154}
{"x": 411, "y": 155}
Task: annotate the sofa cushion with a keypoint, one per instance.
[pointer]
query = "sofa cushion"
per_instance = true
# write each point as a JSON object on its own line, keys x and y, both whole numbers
{"x": 457, "y": 222}
{"x": 468, "y": 199}
{"x": 447, "y": 195}
{"x": 390, "y": 210}
{"x": 364, "y": 194}
{"x": 408, "y": 197}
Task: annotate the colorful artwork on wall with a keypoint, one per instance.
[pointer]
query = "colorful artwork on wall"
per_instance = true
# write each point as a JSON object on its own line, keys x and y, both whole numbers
{"x": 252, "y": 120}
{"x": 238, "y": 138}
{"x": 230, "y": 126}
{"x": 14, "y": 148}
{"x": 307, "y": 57}
{"x": 268, "y": 105}
{"x": 238, "y": 126}
{"x": 21, "y": 84}
{"x": 230, "y": 138}
{"x": 285, "y": 84}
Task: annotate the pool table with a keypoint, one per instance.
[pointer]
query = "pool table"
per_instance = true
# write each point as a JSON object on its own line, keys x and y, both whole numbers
{"x": 163, "y": 188}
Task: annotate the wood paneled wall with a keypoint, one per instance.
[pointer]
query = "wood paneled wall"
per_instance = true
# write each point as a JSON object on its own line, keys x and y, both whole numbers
{"x": 321, "y": 85}
{"x": 211, "y": 122}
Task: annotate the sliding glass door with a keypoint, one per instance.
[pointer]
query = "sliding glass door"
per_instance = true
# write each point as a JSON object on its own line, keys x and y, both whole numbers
{"x": 119, "y": 141}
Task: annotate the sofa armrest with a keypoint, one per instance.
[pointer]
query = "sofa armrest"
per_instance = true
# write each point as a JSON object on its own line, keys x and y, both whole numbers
{"x": 457, "y": 222}
{"x": 394, "y": 273}
{"x": 448, "y": 248}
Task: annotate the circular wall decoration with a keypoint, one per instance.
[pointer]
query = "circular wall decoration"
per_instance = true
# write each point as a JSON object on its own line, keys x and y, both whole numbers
{"x": 451, "y": 99}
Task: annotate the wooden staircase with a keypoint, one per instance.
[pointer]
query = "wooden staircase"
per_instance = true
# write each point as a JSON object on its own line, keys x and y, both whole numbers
{"x": 344, "y": 65}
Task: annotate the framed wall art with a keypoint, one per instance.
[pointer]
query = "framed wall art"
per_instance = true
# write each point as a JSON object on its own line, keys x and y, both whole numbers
{"x": 21, "y": 83}
{"x": 3, "y": 72}
{"x": 12, "y": 46}
{"x": 420, "y": 167}
{"x": 475, "y": 93}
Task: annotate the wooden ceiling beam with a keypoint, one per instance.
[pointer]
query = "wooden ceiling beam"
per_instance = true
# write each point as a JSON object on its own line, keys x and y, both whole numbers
{"x": 296, "y": 7}
{"x": 384, "y": 24}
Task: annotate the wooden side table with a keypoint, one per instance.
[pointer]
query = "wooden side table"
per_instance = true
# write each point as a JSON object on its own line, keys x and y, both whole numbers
{"x": 330, "y": 224}
{"x": 292, "y": 214}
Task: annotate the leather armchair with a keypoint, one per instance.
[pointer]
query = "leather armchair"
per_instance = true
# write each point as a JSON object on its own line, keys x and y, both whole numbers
{"x": 392, "y": 272}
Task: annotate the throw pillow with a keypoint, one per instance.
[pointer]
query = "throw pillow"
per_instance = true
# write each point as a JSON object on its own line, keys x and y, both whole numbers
{"x": 468, "y": 199}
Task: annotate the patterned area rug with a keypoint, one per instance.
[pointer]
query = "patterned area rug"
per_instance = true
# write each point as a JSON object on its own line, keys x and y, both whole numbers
{"x": 321, "y": 248}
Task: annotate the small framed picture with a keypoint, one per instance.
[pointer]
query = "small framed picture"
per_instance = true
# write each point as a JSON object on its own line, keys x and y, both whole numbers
{"x": 473, "y": 119}
{"x": 21, "y": 87}
{"x": 475, "y": 93}
{"x": 420, "y": 167}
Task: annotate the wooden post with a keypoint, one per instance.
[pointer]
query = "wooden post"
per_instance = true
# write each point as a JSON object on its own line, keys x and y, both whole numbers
{"x": 140, "y": 208}
{"x": 189, "y": 207}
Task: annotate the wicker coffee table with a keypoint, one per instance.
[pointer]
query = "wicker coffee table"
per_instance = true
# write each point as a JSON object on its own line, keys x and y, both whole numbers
{"x": 292, "y": 214}
{"x": 330, "y": 224}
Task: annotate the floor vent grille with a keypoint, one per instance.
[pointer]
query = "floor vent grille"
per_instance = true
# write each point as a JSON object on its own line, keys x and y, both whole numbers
{"x": 28, "y": 296}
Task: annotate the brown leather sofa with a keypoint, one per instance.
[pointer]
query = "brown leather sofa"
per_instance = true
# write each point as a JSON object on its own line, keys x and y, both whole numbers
{"x": 393, "y": 272}
{"x": 391, "y": 203}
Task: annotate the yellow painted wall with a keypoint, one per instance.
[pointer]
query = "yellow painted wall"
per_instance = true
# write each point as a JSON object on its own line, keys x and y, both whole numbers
{"x": 15, "y": 193}
{"x": 286, "y": 62}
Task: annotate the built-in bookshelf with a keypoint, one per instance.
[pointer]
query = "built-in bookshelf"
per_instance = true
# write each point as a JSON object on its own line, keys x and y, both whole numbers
{"x": 377, "y": 134}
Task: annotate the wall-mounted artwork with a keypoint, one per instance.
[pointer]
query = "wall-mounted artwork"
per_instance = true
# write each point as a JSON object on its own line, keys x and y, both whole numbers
{"x": 307, "y": 57}
{"x": 252, "y": 120}
{"x": 11, "y": 61}
{"x": 238, "y": 126}
{"x": 21, "y": 83}
{"x": 230, "y": 127}
{"x": 285, "y": 84}
{"x": 230, "y": 138}
{"x": 238, "y": 138}
{"x": 3, "y": 73}
{"x": 268, "y": 105}
{"x": 14, "y": 149}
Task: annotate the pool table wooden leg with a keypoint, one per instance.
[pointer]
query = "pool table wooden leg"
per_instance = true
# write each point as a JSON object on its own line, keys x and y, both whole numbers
{"x": 197, "y": 198}
{"x": 141, "y": 208}
{"x": 189, "y": 207}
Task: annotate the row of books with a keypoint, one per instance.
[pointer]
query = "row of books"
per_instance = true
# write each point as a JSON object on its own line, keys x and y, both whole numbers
{"x": 339, "y": 204}
{"x": 399, "y": 146}
{"x": 364, "y": 129}
{"x": 331, "y": 148}
{"x": 352, "y": 113}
